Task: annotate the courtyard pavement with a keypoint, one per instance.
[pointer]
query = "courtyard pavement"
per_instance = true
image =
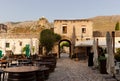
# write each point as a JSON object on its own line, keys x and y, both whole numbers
{"x": 71, "y": 70}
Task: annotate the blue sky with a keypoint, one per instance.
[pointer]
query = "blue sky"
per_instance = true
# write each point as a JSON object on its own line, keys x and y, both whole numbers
{"x": 25, "y": 10}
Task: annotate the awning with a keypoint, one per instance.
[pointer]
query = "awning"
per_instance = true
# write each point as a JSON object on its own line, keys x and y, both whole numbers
{"x": 101, "y": 43}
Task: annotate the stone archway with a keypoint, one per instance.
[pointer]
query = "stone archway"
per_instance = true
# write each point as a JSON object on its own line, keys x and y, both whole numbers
{"x": 69, "y": 47}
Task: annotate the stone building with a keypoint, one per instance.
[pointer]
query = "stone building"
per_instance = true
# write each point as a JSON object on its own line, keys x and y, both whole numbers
{"x": 81, "y": 28}
{"x": 16, "y": 42}
{"x": 22, "y": 34}
{"x": 72, "y": 31}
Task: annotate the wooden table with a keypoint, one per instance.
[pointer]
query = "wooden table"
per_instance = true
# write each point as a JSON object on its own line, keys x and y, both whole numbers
{"x": 23, "y": 73}
{"x": 24, "y": 61}
{"x": 43, "y": 63}
{"x": 51, "y": 65}
{"x": 26, "y": 73}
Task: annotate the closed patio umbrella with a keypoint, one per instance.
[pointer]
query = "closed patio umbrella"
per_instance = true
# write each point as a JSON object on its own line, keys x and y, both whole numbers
{"x": 31, "y": 46}
{"x": 110, "y": 60}
{"x": 0, "y": 53}
{"x": 13, "y": 48}
{"x": 73, "y": 39}
{"x": 27, "y": 50}
{"x": 95, "y": 59}
{"x": 73, "y": 36}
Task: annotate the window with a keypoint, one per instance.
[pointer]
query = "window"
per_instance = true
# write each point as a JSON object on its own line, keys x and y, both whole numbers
{"x": 64, "y": 29}
{"x": 20, "y": 43}
{"x": 7, "y": 45}
{"x": 83, "y": 30}
{"x": 87, "y": 38}
{"x": 118, "y": 41}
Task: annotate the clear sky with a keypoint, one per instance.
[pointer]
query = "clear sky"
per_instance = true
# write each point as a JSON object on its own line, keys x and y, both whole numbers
{"x": 25, "y": 10}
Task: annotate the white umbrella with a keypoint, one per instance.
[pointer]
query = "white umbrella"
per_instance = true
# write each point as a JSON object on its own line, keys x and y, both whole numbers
{"x": 31, "y": 46}
{"x": 5, "y": 46}
{"x": 36, "y": 47}
{"x": 73, "y": 36}
{"x": 13, "y": 47}
{"x": 84, "y": 43}
{"x": 110, "y": 60}
{"x": 73, "y": 39}
{"x": 95, "y": 58}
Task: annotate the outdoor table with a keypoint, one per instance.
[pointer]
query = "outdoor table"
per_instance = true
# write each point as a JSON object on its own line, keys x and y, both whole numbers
{"x": 23, "y": 61}
{"x": 4, "y": 63}
{"x": 40, "y": 63}
{"x": 46, "y": 72}
{"x": 50, "y": 65}
{"x": 44, "y": 63}
{"x": 42, "y": 74}
{"x": 23, "y": 73}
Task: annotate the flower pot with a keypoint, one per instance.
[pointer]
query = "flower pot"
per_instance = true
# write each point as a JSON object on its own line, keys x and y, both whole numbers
{"x": 103, "y": 67}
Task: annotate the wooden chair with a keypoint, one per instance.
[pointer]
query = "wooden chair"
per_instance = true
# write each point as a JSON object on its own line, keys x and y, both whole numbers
{"x": 1, "y": 76}
{"x": 4, "y": 63}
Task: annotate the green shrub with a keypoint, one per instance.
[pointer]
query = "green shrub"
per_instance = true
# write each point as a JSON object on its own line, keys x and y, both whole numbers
{"x": 102, "y": 57}
{"x": 118, "y": 50}
{"x": 117, "y": 57}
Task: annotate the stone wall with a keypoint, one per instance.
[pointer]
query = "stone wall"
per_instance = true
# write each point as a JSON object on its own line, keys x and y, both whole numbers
{"x": 78, "y": 24}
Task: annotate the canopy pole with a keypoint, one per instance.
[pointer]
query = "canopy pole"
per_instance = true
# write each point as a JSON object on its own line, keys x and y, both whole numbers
{"x": 113, "y": 38}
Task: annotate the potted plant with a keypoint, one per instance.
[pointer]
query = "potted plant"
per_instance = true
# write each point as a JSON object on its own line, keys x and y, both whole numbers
{"x": 117, "y": 55}
{"x": 102, "y": 63}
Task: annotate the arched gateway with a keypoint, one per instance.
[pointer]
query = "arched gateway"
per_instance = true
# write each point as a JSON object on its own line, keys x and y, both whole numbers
{"x": 73, "y": 31}
{"x": 69, "y": 47}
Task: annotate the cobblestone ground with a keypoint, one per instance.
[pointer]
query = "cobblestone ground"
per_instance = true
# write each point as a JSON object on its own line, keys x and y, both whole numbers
{"x": 71, "y": 70}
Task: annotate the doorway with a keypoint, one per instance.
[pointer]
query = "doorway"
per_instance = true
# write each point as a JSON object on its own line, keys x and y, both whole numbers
{"x": 64, "y": 48}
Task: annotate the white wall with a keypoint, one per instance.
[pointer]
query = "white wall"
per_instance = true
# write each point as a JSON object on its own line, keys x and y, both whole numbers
{"x": 15, "y": 44}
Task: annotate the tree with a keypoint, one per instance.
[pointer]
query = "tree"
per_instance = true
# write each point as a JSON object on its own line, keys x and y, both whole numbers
{"x": 117, "y": 26}
{"x": 57, "y": 37}
{"x": 23, "y": 49}
{"x": 64, "y": 44}
{"x": 48, "y": 38}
